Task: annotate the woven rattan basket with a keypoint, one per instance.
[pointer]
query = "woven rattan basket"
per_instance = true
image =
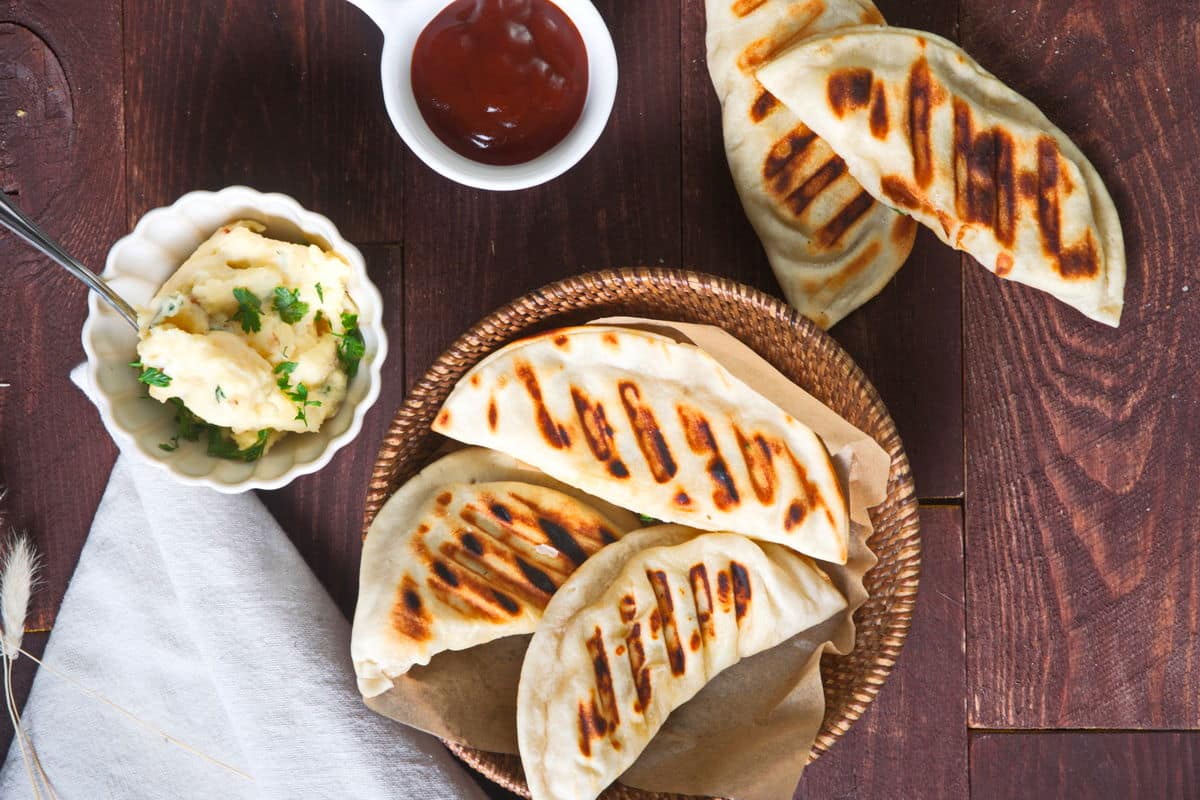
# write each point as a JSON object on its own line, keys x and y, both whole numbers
{"x": 794, "y": 346}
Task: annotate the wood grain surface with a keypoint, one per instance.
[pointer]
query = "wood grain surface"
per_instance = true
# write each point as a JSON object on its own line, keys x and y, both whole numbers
{"x": 925, "y": 690}
{"x": 1165, "y": 766}
{"x": 1073, "y": 576}
{"x": 1083, "y": 555}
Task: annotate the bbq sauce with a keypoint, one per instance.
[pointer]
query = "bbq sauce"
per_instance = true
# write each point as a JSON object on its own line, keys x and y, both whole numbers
{"x": 500, "y": 81}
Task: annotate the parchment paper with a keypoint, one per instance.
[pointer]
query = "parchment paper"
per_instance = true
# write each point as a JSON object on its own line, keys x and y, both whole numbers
{"x": 748, "y": 733}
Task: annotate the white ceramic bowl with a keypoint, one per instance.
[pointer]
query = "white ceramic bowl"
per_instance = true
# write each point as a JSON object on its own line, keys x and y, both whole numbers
{"x": 139, "y": 263}
{"x": 402, "y": 22}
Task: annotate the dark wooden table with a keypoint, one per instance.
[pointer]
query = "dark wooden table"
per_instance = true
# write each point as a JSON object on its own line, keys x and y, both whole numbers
{"x": 1056, "y": 645}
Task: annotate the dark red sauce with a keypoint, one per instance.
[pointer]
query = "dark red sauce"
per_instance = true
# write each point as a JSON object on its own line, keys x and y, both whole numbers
{"x": 500, "y": 81}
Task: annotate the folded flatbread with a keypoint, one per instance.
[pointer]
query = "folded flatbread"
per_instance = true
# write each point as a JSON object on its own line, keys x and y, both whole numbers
{"x": 452, "y": 561}
{"x": 926, "y": 129}
{"x": 637, "y": 632}
{"x": 658, "y": 427}
{"x": 831, "y": 245}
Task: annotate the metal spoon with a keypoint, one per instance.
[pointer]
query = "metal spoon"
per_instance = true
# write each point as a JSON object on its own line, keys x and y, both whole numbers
{"x": 15, "y": 220}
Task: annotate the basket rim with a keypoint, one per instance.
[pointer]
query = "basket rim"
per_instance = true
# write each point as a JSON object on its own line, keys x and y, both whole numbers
{"x": 546, "y": 301}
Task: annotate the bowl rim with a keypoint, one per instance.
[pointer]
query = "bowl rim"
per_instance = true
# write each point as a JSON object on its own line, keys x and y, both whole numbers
{"x": 274, "y": 204}
{"x": 899, "y": 561}
{"x": 402, "y": 27}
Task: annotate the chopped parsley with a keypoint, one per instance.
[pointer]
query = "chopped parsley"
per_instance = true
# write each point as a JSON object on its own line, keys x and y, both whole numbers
{"x": 222, "y": 445}
{"x": 320, "y": 292}
{"x": 219, "y": 394}
{"x": 351, "y": 346}
{"x": 288, "y": 305}
{"x": 220, "y": 441}
{"x": 152, "y": 376}
{"x": 298, "y": 394}
{"x": 648, "y": 520}
{"x": 249, "y": 308}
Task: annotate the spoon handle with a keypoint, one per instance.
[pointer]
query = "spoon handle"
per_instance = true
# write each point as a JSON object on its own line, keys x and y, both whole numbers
{"x": 15, "y": 220}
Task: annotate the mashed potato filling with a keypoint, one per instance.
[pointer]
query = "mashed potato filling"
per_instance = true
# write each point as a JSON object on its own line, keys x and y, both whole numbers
{"x": 247, "y": 334}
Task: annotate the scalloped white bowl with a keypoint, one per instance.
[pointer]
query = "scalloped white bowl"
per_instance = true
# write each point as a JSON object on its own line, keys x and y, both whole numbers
{"x": 141, "y": 262}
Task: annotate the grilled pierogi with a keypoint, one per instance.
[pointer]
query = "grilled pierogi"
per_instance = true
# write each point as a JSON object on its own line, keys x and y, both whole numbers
{"x": 831, "y": 245}
{"x": 658, "y": 427}
{"x": 927, "y": 130}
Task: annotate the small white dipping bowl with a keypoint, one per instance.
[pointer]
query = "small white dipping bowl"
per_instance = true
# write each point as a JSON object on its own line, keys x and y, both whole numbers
{"x": 140, "y": 263}
{"x": 402, "y": 22}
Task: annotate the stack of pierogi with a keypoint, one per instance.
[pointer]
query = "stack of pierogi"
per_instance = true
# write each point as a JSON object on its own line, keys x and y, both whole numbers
{"x": 648, "y": 517}
{"x": 841, "y": 132}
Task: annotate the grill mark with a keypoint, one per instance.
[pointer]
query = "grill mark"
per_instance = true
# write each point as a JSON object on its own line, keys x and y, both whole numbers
{"x": 682, "y": 499}
{"x": 501, "y": 512}
{"x": 586, "y": 730}
{"x": 741, "y": 8}
{"x": 832, "y": 232}
{"x": 759, "y": 464}
{"x": 802, "y": 197}
{"x": 551, "y": 431}
{"x": 879, "y": 111}
{"x": 1004, "y": 264}
{"x": 1047, "y": 209}
{"x": 763, "y": 105}
{"x": 597, "y": 432}
{"x": 984, "y": 181}
{"x": 795, "y": 515}
{"x": 723, "y": 589}
{"x": 607, "y": 536}
{"x": 649, "y": 436}
{"x": 741, "y": 589}
{"x": 812, "y": 498}
{"x": 702, "y": 597}
{"x": 445, "y": 574}
{"x": 666, "y": 611}
{"x": 857, "y": 265}
{"x": 409, "y": 617}
{"x": 695, "y": 641}
{"x": 1081, "y": 261}
{"x": 637, "y": 667}
{"x": 471, "y": 542}
{"x": 562, "y": 540}
{"x": 900, "y": 193}
{"x": 920, "y": 112}
{"x": 561, "y": 341}
{"x": 849, "y": 89}
{"x": 493, "y": 414}
{"x": 786, "y": 149}
{"x": 1004, "y": 179}
{"x": 628, "y": 608}
{"x": 701, "y": 440}
{"x": 604, "y": 685}
{"x": 506, "y": 602}
{"x": 538, "y": 579}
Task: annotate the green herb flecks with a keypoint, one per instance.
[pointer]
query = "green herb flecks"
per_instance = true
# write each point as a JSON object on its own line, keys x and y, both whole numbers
{"x": 648, "y": 520}
{"x": 320, "y": 292}
{"x": 153, "y": 376}
{"x": 249, "y": 309}
{"x": 219, "y": 394}
{"x": 351, "y": 346}
{"x": 288, "y": 305}
{"x": 298, "y": 394}
{"x": 222, "y": 445}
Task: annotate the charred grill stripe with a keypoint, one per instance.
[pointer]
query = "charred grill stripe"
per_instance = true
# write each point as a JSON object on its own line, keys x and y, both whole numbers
{"x": 763, "y": 105}
{"x": 920, "y": 112}
{"x": 649, "y": 436}
{"x": 409, "y": 617}
{"x": 628, "y": 608}
{"x": 596, "y": 430}
{"x": 1081, "y": 261}
{"x": 604, "y": 684}
{"x": 493, "y": 414}
{"x": 818, "y": 182}
{"x": 563, "y": 541}
{"x": 550, "y": 430}
{"x": 789, "y": 147}
{"x": 445, "y": 574}
{"x": 506, "y": 602}
{"x": 759, "y": 465}
{"x": 471, "y": 542}
{"x": 585, "y": 731}
{"x": 844, "y": 220}
{"x": 607, "y": 536}
{"x": 702, "y": 597}
{"x": 700, "y": 439}
{"x": 723, "y": 589}
{"x": 1049, "y": 222}
{"x": 1004, "y": 179}
{"x": 538, "y": 579}
{"x": 849, "y": 89}
{"x": 743, "y": 7}
{"x": 501, "y": 512}
{"x": 666, "y": 611}
{"x": 637, "y": 667}
{"x": 879, "y": 111}
{"x": 741, "y": 589}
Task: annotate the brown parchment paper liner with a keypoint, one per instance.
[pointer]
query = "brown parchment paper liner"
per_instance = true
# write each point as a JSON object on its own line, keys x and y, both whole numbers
{"x": 748, "y": 733}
